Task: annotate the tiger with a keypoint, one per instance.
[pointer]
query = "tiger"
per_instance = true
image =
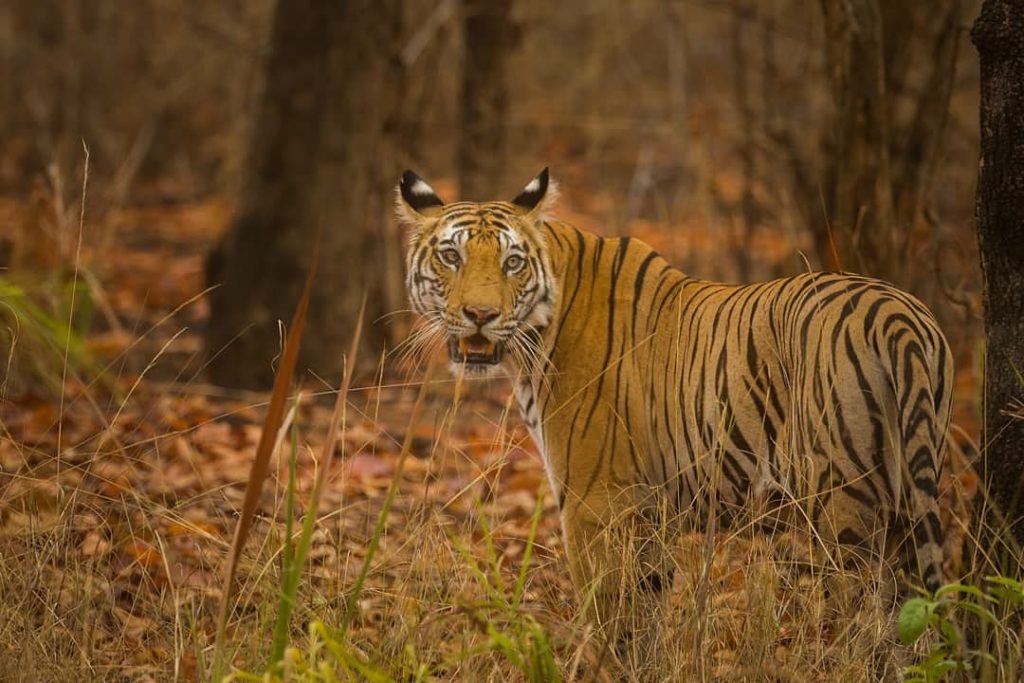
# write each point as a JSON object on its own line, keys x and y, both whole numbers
{"x": 823, "y": 398}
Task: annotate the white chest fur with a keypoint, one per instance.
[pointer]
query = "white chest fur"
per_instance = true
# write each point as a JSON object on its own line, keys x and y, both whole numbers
{"x": 529, "y": 410}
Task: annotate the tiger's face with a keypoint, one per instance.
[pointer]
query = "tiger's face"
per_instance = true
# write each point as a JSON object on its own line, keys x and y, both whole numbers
{"x": 479, "y": 275}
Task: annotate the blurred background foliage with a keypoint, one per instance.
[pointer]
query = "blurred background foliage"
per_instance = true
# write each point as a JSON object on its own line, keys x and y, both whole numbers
{"x": 744, "y": 139}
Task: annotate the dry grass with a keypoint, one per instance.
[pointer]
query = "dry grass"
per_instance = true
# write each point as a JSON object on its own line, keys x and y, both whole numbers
{"x": 112, "y": 553}
{"x": 89, "y": 586}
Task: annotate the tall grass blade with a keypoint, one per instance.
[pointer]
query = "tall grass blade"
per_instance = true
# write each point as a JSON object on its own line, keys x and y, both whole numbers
{"x": 517, "y": 591}
{"x": 261, "y": 461}
{"x": 290, "y": 580}
{"x": 288, "y": 556}
{"x": 371, "y": 550}
{"x": 492, "y": 555}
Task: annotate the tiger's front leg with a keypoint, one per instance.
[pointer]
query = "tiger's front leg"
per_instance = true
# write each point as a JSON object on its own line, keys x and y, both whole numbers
{"x": 622, "y": 571}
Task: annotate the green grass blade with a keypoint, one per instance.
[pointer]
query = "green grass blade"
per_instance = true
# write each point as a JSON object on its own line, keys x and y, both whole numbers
{"x": 371, "y": 550}
{"x": 517, "y": 591}
{"x": 289, "y": 566}
{"x": 485, "y": 580}
{"x": 492, "y": 555}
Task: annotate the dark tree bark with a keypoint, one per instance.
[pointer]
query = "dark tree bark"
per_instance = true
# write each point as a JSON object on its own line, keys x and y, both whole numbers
{"x": 998, "y": 35}
{"x": 490, "y": 37}
{"x": 859, "y": 194}
{"x": 318, "y": 160}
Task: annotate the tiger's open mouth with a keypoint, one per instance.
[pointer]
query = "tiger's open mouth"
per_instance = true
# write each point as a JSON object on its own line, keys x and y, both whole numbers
{"x": 474, "y": 350}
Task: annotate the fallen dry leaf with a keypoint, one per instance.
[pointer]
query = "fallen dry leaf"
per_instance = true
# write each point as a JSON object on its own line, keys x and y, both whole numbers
{"x": 94, "y": 545}
{"x": 134, "y": 626}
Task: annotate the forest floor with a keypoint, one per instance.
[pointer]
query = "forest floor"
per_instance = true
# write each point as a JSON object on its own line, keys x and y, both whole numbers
{"x": 119, "y": 493}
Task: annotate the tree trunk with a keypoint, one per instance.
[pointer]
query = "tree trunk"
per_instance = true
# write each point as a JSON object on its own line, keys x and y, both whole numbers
{"x": 860, "y": 191}
{"x": 914, "y": 159}
{"x": 490, "y": 37}
{"x": 748, "y": 144}
{"x": 998, "y": 35}
{"x": 315, "y": 165}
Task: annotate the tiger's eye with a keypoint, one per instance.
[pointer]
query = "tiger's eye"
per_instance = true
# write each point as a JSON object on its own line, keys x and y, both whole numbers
{"x": 514, "y": 263}
{"x": 451, "y": 257}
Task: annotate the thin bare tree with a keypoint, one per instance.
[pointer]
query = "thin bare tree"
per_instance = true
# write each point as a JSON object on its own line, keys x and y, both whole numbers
{"x": 490, "y": 37}
{"x": 860, "y": 188}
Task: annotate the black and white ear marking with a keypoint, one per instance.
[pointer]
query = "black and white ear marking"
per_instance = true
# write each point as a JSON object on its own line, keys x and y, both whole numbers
{"x": 417, "y": 193}
{"x": 534, "y": 192}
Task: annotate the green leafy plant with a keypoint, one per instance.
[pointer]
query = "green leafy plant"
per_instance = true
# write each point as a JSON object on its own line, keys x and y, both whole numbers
{"x": 517, "y": 636}
{"x": 39, "y": 339}
{"x": 329, "y": 654}
{"x": 992, "y": 609}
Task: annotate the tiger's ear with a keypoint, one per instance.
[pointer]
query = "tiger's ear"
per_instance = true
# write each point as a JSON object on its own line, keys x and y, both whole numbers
{"x": 538, "y": 196}
{"x": 416, "y": 201}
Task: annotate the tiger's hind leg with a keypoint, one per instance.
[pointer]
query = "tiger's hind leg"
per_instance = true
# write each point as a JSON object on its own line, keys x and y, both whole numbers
{"x": 920, "y": 426}
{"x": 921, "y": 477}
{"x": 859, "y": 587}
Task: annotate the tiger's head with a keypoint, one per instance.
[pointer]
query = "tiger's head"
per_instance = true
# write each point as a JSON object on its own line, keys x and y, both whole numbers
{"x": 479, "y": 274}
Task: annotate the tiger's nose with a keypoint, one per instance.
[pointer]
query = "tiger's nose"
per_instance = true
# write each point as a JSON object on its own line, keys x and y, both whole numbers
{"x": 481, "y": 315}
